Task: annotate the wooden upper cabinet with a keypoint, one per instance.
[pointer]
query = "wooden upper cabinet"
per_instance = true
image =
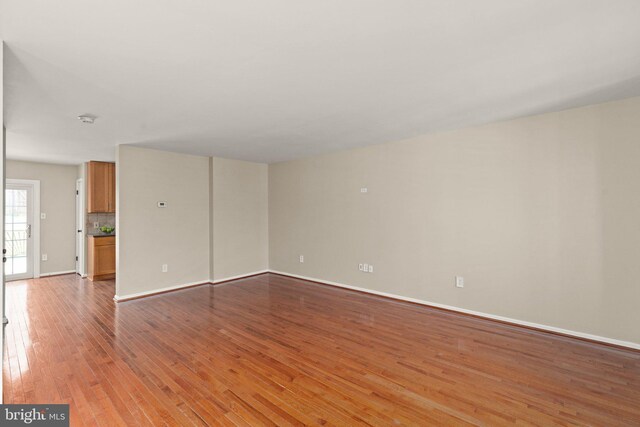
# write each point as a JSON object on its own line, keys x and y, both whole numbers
{"x": 101, "y": 187}
{"x": 112, "y": 187}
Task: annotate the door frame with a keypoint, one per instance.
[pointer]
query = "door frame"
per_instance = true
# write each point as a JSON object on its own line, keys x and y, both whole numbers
{"x": 80, "y": 225}
{"x": 35, "y": 221}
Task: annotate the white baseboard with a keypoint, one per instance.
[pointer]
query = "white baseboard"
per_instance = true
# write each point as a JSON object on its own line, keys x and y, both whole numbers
{"x": 120, "y": 298}
{"x": 475, "y": 313}
{"x": 241, "y": 276}
{"x": 57, "y": 273}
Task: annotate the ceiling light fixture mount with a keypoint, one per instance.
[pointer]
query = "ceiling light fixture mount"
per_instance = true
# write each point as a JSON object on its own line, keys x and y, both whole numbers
{"x": 86, "y": 118}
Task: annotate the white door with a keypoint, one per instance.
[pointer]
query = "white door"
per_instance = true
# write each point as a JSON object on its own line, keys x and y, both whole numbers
{"x": 19, "y": 231}
{"x": 80, "y": 227}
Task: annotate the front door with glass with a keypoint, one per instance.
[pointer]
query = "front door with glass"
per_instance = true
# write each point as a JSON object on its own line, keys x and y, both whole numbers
{"x": 18, "y": 231}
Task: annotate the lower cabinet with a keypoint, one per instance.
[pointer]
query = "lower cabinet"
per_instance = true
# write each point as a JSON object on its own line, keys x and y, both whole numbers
{"x": 102, "y": 257}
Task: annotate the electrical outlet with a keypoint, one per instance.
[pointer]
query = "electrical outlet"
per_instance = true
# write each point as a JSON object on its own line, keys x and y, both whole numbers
{"x": 365, "y": 267}
{"x": 459, "y": 282}
{"x": 301, "y": 258}
{"x": 364, "y": 190}
{"x": 360, "y": 267}
{"x": 44, "y": 257}
{"x": 165, "y": 268}
{"x": 96, "y": 225}
{"x": 43, "y": 215}
{"x": 370, "y": 268}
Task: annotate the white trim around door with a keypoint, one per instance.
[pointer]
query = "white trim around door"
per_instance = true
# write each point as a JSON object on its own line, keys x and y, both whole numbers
{"x": 35, "y": 220}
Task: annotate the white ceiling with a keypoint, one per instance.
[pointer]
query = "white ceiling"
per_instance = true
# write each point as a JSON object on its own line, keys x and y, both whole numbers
{"x": 280, "y": 79}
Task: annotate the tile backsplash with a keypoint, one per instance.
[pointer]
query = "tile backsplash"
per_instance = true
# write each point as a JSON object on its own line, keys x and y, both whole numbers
{"x": 101, "y": 218}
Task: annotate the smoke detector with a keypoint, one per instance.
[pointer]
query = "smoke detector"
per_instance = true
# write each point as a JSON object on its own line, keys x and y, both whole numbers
{"x": 85, "y": 118}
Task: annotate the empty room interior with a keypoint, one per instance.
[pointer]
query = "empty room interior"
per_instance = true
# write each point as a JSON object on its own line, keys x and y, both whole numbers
{"x": 320, "y": 213}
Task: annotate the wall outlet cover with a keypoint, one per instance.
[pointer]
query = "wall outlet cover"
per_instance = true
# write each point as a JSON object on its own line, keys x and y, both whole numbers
{"x": 44, "y": 257}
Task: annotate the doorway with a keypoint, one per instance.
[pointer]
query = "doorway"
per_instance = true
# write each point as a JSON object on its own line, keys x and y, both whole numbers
{"x": 22, "y": 230}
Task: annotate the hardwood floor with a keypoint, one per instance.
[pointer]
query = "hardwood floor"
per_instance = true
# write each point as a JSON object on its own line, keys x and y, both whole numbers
{"x": 272, "y": 350}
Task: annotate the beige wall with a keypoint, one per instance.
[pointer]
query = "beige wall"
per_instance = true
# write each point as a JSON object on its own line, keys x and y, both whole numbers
{"x": 541, "y": 215}
{"x": 619, "y": 192}
{"x": 239, "y": 218}
{"x": 148, "y": 236}
{"x": 215, "y": 225}
{"x": 58, "y": 202}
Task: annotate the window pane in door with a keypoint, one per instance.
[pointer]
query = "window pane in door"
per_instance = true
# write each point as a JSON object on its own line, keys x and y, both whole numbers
{"x": 19, "y": 232}
{"x": 8, "y": 232}
{"x": 20, "y": 198}
{"x": 19, "y": 248}
{"x": 20, "y": 265}
{"x": 8, "y": 198}
{"x": 19, "y": 214}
